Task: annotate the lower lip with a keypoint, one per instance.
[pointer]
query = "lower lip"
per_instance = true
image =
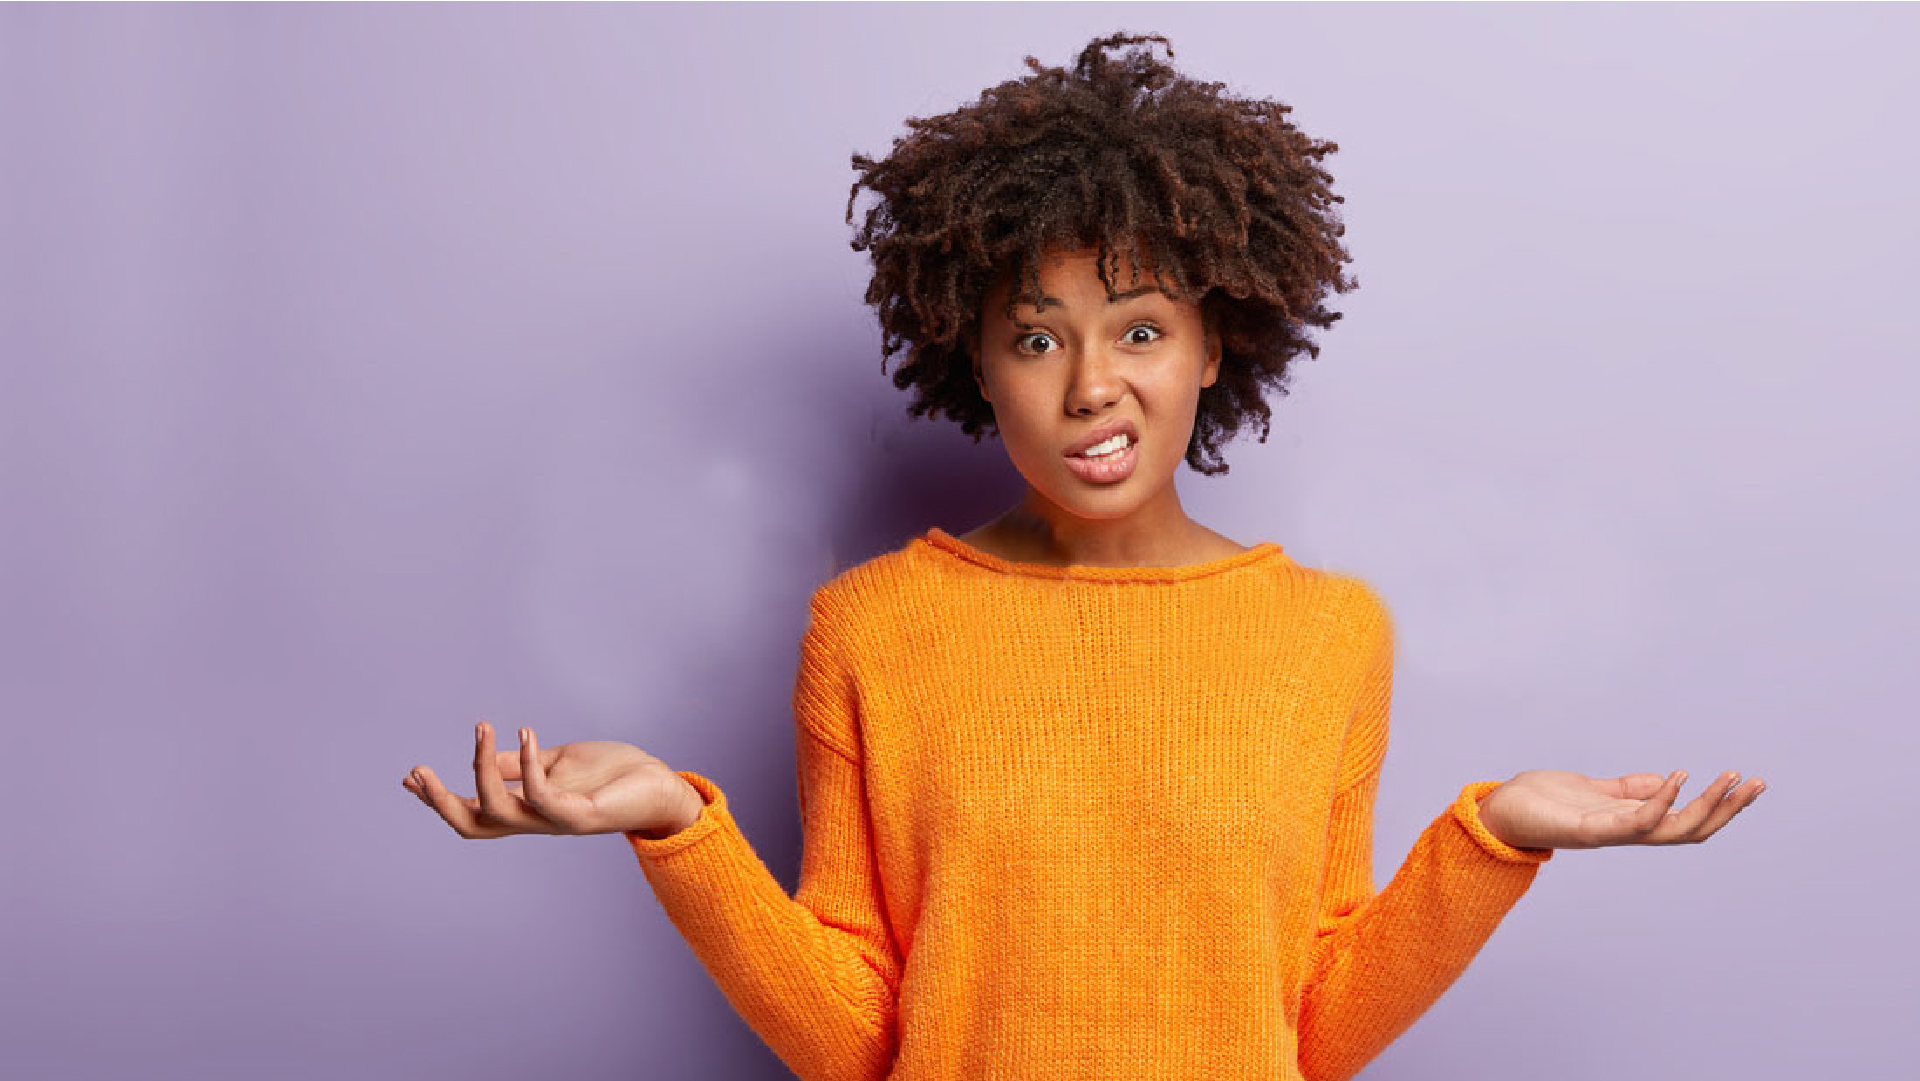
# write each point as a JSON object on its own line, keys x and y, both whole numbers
{"x": 1104, "y": 470}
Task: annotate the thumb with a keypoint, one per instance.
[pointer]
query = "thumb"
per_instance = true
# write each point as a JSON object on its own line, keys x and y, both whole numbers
{"x": 512, "y": 763}
{"x": 1639, "y": 785}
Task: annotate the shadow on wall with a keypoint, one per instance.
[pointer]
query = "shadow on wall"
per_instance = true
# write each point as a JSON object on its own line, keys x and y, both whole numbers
{"x": 900, "y": 474}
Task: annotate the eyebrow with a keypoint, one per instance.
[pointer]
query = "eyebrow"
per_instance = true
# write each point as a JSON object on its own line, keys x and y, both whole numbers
{"x": 1046, "y": 302}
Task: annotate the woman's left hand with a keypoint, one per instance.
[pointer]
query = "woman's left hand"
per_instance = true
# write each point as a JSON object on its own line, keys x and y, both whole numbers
{"x": 1556, "y": 808}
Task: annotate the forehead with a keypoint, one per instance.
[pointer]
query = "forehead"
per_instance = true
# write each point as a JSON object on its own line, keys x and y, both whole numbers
{"x": 1070, "y": 277}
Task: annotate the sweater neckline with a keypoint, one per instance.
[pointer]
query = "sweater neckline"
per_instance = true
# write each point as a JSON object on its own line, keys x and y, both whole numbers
{"x": 940, "y": 539}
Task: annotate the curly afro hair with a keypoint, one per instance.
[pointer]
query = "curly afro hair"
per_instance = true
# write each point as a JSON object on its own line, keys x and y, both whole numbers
{"x": 1119, "y": 154}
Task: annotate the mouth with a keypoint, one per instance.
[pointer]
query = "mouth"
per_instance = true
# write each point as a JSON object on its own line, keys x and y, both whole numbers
{"x": 1110, "y": 468}
{"x": 1101, "y": 438}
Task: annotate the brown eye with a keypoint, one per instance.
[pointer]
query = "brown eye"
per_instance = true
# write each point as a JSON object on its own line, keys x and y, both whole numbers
{"x": 1024, "y": 338}
{"x": 1144, "y": 326}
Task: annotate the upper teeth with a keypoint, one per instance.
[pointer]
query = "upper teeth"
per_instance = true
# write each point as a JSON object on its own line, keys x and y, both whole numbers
{"x": 1118, "y": 442}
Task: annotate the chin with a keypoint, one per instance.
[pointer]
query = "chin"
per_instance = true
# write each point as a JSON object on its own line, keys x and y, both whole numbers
{"x": 1101, "y": 502}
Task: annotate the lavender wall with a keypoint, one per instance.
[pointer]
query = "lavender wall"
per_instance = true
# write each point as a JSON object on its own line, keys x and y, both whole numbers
{"x": 373, "y": 370}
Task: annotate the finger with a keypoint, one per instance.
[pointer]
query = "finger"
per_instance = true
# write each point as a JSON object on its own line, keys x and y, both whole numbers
{"x": 1632, "y": 785}
{"x": 533, "y": 779}
{"x": 457, "y": 812}
{"x": 509, "y": 762}
{"x": 1651, "y": 819}
{"x": 413, "y": 783}
{"x": 1739, "y": 796}
{"x": 416, "y": 783}
{"x": 1688, "y": 824}
{"x": 496, "y": 803}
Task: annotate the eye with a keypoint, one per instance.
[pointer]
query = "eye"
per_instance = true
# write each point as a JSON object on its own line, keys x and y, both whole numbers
{"x": 1020, "y": 342}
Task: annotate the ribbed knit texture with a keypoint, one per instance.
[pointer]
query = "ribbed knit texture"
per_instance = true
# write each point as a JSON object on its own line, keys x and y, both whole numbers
{"x": 1087, "y": 823}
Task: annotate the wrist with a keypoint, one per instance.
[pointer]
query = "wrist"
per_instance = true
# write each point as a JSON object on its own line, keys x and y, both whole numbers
{"x": 1491, "y": 821}
{"x": 1485, "y": 816}
{"x": 687, "y": 804}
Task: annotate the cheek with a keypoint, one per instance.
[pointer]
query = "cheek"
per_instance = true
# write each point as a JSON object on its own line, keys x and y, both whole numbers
{"x": 1172, "y": 401}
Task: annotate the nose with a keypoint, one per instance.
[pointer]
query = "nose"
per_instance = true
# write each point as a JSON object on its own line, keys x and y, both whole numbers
{"x": 1093, "y": 383}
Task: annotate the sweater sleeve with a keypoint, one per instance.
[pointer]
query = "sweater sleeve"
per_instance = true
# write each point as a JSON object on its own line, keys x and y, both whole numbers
{"x": 1381, "y": 959}
{"x": 814, "y": 975}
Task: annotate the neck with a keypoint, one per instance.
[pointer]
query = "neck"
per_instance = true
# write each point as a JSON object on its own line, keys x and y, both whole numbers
{"x": 1158, "y": 534}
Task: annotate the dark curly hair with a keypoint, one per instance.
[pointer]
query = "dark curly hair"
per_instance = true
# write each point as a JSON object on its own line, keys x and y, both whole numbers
{"x": 1118, "y": 154}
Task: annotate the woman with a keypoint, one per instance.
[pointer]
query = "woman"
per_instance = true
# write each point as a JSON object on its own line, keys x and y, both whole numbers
{"x": 1087, "y": 791}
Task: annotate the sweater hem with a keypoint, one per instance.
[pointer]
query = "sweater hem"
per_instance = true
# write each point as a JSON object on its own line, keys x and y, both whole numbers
{"x": 713, "y": 812}
{"x": 1466, "y": 811}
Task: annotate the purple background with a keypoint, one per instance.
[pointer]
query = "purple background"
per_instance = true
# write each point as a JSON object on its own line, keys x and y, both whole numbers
{"x": 369, "y": 371}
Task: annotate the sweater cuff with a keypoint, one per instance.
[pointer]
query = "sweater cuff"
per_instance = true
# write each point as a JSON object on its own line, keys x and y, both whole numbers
{"x": 1466, "y": 811}
{"x": 713, "y": 815}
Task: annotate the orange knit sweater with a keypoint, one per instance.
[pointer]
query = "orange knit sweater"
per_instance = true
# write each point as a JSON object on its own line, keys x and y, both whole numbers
{"x": 1089, "y": 823}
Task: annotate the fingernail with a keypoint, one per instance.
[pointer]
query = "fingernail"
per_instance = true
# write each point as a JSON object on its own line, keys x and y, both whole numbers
{"x": 1681, "y": 778}
{"x": 480, "y": 730}
{"x": 525, "y": 734}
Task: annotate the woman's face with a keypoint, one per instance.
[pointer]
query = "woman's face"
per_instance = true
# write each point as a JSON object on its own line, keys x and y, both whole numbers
{"x": 1077, "y": 365}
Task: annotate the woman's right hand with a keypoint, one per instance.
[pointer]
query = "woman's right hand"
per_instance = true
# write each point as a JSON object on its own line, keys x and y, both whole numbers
{"x": 593, "y": 786}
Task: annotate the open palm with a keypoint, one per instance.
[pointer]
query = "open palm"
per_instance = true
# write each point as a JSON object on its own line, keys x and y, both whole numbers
{"x": 591, "y": 786}
{"x": 1551, "y": 808}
